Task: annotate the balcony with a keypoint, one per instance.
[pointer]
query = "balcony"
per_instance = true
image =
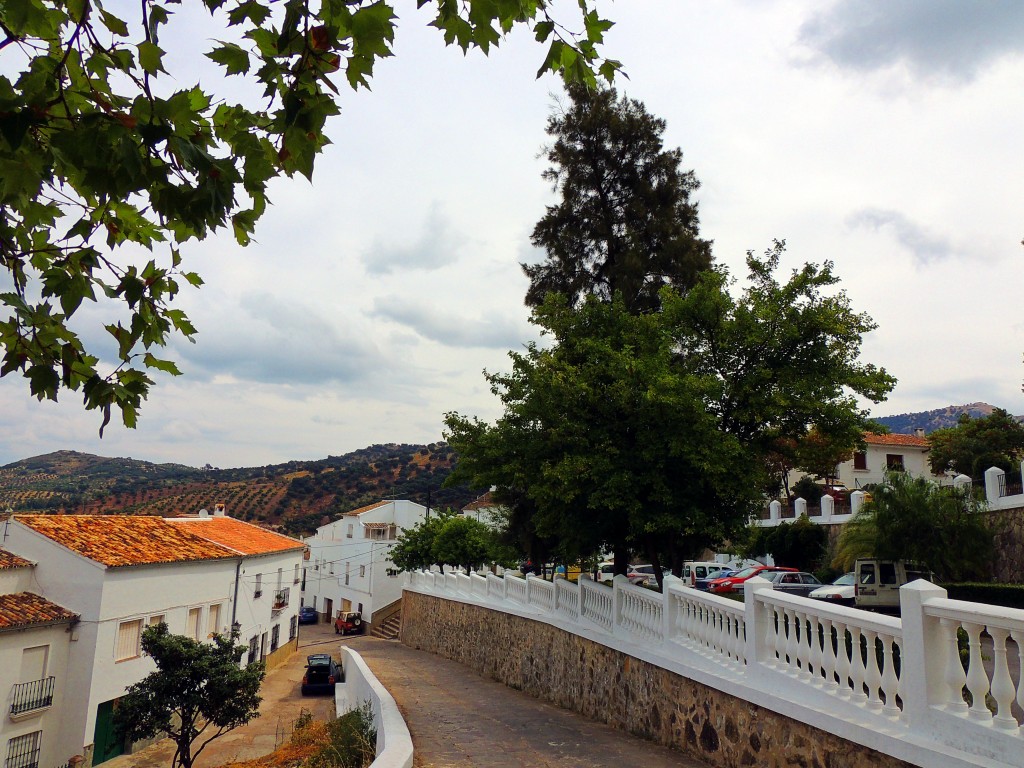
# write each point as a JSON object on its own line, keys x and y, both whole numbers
{"x": 281, "y": 598}
{"x": 27, "y": 697}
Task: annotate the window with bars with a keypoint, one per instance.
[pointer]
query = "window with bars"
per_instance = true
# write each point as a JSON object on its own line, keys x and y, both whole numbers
{"x": 23, "y": 751}
{"x": 129, "y": 640}
{"x": 275, "y": 637}
{"x": 293, "y": 627}
{"x": 254, "y": 647}
{"x": 259, "y": 585}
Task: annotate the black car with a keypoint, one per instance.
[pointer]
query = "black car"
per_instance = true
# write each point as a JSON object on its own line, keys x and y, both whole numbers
{"x": 308, "y": 615}
{"x": 322, "y": 673}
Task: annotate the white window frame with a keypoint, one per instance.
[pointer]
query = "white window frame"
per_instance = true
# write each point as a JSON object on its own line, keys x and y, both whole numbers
{"x": 194, "y": 629}
{"x": 213, "y": 627}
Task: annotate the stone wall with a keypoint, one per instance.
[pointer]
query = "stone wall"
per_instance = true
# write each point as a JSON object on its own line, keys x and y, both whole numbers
{"x": 626, "y": 693}
{"x": 1008, "y": 563}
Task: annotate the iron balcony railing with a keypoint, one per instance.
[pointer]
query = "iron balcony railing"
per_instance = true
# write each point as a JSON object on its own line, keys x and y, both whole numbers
{"x": 34, "y": 695}
{"x": 281, "y": 598}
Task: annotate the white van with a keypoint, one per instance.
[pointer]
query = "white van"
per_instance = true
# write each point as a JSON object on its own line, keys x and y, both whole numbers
{"x": 693, "y": 570}
{"x": 879, "y": 581}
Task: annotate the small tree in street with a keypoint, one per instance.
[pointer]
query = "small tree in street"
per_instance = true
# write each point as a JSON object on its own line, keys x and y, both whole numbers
{"x": 198, "y": 692}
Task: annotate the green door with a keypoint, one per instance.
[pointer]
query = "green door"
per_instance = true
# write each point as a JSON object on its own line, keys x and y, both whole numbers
{"x": 106, "y": 744}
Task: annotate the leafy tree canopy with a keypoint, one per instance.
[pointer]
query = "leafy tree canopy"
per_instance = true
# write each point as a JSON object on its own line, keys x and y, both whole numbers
{"x": 198, "y": 691}
{"x": 975, "y": 445}
{"x": 624, "y": 222}
{"x": 912, "y": 518}
{"x": 800, "y": 544}
{"x": 651, "y": 430}
{"x": 105, "y": 155}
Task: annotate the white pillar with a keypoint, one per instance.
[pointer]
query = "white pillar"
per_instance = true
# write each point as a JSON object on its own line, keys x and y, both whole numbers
{"x": 828, "y": 507}
{"x": 775, "y": 511}
{"x": 856, "y": 502}
{"x": 923, "y": 657}
{"x": 963, "y": 482}
{"x": 757, "y": 618}
{"x": 992, "y": 475}
{"x": 800, "y": 506}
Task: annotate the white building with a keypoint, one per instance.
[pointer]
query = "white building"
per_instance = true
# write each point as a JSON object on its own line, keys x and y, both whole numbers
{"x": 35, "y": 643}
{"x": 121, "y": 573}
{"x": 885, "y": 453}
{"x": 484, "y": 509}
{"x": 347, "y": 565}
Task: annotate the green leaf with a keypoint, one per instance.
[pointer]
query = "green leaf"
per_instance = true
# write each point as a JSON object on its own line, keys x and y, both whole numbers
{"x": 232, "y": 57}
{"x": 167, "y": 366}
{"x": 116, "y": 26}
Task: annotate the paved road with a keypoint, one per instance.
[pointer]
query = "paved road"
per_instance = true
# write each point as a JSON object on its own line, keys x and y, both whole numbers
{"x": 457, "y": 718}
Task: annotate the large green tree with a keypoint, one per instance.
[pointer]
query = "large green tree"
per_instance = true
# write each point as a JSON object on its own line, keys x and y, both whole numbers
{"x": 105, "y": 154}
{"x": 198, "y": 692}
{"x": 650, "y": 431}
{"x": 975, "y": 445}
{"x": 624, "y": 221}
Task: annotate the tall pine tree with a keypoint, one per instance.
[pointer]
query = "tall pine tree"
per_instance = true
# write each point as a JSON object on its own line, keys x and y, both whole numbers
{"x": 625, "y": 221}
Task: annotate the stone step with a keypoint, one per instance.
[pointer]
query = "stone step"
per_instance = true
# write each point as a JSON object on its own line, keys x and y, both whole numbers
{"x": 390, "y": 629}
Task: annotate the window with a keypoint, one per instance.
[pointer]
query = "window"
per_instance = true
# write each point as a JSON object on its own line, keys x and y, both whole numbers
{"x": 213, "y": 621}
{"x": 346, "y": 574}
{"x": 195, "y": 616}
{"x": 860, "y": 460}
{"x": 332, "y": 567}
{"x": 295, "y": 576}
{"x": 254, "y": 646}
{"x": 348, "y": 532}
{"x": 259, "y": 585}
{"x": 275, "y": 636}
{"x": 894, "y": 462}
{"x": 23, "y": 751}
{"x": 129, "y": 640}
{"x": 293, "y": 627}
{"x": 362, "y": 571}
{"x": 887, "y": 573}
{"x": 157, "y": 618}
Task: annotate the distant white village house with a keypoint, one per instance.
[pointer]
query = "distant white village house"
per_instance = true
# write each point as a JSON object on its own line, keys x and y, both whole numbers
{"x": 347, "y": 565}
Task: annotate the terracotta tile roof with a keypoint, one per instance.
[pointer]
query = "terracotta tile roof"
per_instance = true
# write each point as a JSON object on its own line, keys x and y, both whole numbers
{"x": 11, "y": 560}
{"x": 377, "y": 526}
{"x": 481, "y": 502}
{"x": 367, "y": 508}
{"x": 911, "y": 441}
{"x": 25, "y": 609}
{"x": 120, "y": 540}
{"x": 244, "y": 538}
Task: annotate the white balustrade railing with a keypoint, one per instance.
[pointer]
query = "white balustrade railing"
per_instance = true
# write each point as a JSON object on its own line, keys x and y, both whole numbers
{"x": 903, "y": 677}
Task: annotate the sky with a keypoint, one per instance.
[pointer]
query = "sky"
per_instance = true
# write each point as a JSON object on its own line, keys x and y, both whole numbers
{"x": 885, "y": 137}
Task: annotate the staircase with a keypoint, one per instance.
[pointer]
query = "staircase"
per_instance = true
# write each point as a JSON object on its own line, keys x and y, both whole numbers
{"x": 390, "y": 628}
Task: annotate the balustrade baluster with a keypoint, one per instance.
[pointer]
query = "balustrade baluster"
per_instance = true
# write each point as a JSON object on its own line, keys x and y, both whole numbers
{"x": 791, "y": 644}
{"x": 857, "y": 669}
{"x": 803, "y": 648}
{"x": 828, "y": 655}
{"x": 872, "y": 675}
{"x": 814, "y": 660}
{"x": 1002, "y": 686}
{"x": 956, "y": 678}
{"x": 1018, "y": 638}
{"x": 890, "y": 682}
{"x": 977, "y": 678}
{"x": 779, "y": 641}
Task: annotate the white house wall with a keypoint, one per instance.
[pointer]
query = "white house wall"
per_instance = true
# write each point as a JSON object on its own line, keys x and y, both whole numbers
{"x": 915, "y": 463}
{"x": 56, "y": 745}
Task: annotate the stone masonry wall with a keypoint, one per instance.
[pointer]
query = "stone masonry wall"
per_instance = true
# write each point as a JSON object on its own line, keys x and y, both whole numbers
{"x": 1008, "y": 564}
{"x": 632, "y": 695}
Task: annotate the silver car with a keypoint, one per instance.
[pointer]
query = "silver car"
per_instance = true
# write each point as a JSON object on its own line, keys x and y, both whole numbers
{"x": 791, "y": 582}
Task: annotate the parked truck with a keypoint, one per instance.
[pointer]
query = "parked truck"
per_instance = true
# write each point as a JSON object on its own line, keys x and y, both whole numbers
{"x": 878, "y": 582}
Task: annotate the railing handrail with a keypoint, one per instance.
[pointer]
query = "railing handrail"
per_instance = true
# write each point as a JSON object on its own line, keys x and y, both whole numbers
{"x": 34, "y": 694}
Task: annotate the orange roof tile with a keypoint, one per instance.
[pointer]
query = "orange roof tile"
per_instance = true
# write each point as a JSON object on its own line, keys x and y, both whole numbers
{"x": 367, "y": 508}
{"x": 911, "y": 441}
{"x": 120, "y": 540}
{"x": 25, "y": 609}
{"x": 242, "y": 537}
{"x": 11, "y": 560}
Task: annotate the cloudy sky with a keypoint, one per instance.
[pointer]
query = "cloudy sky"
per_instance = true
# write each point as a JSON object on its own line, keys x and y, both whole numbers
{"x": 884, "y": 136}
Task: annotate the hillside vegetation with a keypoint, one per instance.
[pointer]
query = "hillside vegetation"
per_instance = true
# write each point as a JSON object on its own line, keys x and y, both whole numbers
{"x": 940, "y": 418}
{"x": 294, "y": 497}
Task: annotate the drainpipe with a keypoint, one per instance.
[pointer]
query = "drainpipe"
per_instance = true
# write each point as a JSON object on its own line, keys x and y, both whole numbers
{"x": 234, "y": 600}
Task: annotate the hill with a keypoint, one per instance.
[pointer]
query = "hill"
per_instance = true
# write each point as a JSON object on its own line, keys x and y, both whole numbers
{"x": 929, "y": 421}
{"x": 294, "y": 497}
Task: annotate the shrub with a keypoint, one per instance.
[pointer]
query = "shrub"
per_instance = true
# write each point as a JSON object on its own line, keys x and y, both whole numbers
{"x": 353, "y": 741}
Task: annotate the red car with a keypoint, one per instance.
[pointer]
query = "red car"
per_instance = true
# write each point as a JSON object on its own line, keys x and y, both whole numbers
{"x": 728, "y": 584}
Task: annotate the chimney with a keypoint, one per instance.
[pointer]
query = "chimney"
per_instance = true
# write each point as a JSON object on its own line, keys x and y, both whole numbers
{"x": 218, "y": 508}
{"x": 919, "y": 432}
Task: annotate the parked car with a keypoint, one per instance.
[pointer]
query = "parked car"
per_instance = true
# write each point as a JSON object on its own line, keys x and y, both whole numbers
{"x": 702, "y": 584}
{"x": 839, "y": 591}
{"x": 606, "y": 571}
{"x": 727, "y": 584}
{"x": 878, "y": 582}
{"x": 647, "y": 571}
{"x": 693, "y": 570}
{"x": 791, "y": 582}
{"x": 348, "y": 623}
{"x": 321, "y": 675}
{"x": 308, "y": 615}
